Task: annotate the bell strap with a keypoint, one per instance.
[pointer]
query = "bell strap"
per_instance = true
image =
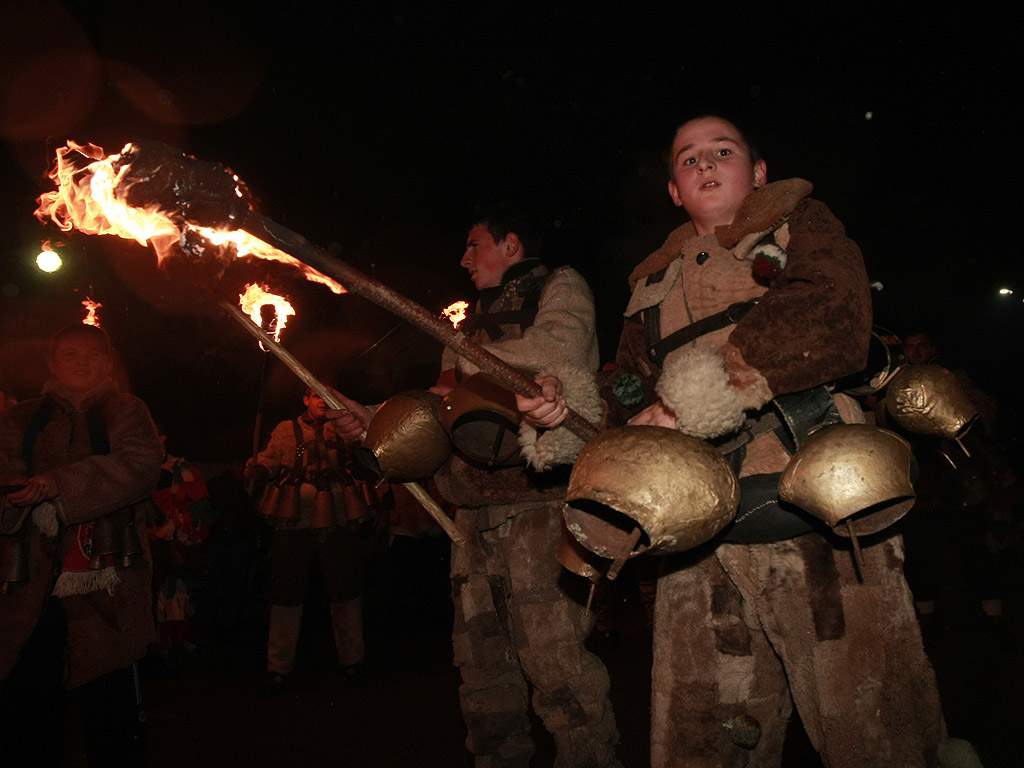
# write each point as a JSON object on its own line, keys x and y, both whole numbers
{"x": 659, "y": 349}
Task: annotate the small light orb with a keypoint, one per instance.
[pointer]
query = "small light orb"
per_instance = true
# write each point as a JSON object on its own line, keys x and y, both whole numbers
{"x": 49, "y": 261}
{"x": 868, "y": 115}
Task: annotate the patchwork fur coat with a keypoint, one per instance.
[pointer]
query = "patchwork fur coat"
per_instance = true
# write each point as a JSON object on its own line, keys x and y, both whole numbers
{"x": 109, "y": 611}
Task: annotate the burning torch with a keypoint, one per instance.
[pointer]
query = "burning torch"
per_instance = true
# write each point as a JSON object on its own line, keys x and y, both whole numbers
{"x": 154, "y": 193}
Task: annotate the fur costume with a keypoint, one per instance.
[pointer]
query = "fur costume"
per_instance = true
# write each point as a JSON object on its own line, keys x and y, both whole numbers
{"x": 516, "y": 625}
{"x": 744, "y": 631}
{"x": 110, "y": 620}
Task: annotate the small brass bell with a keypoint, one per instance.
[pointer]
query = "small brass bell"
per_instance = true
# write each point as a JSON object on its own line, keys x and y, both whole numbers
{"x": 323, "y": 511}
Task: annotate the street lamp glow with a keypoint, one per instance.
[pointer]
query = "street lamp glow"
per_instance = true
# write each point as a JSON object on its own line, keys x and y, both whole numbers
{"x": 1005, "y": 291}
{"x": 49, "y": 261}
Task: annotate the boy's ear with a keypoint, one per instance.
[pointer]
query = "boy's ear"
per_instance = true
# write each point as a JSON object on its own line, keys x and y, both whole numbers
{"x": 673, "y": 192}
{"x": 760, "y": 174}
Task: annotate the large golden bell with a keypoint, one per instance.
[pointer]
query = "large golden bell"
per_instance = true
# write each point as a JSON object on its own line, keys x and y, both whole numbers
{"x": 679, "y": 490}
{"x": 481, "y": 416}
{"x": 854, "y": 477}
{"x": 928, "y": 400}
{"x": 406, "y": 438}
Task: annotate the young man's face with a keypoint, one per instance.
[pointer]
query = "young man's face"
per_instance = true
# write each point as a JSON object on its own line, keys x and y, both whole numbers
{"x": 80, "y": 364}
{"x": 487, "y": 260}
{"x": 919, "y": 349}
{"x": 712, "y": 172}
{"x": 316, "y": 408}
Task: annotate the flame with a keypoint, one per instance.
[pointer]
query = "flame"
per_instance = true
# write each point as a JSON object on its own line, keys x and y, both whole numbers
{"x": 255, "y": 298}
{"x": 90, "y": 199}
{"x": 456, "y": 312}
{"x": 90, "y": 308}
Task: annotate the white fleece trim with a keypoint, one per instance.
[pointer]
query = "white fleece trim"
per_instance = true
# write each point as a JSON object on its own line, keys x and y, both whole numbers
{"x": 44, "y": 517}
{"x": 552, "y": 447}
{"x": 695, "y": 386}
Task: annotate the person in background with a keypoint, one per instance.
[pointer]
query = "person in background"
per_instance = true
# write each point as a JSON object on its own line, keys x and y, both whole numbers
{"x": 77, "y": 466}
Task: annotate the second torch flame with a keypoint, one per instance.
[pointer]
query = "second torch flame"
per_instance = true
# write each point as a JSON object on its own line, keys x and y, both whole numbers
{"x": 456, "y": 312}
{"x": 255, "y": 298}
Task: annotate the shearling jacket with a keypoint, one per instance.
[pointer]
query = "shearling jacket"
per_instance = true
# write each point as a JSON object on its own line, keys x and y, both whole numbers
{"x": 811, "y": 323}
{"x": 109, "y": 612}
{"x": 560, "y": 340}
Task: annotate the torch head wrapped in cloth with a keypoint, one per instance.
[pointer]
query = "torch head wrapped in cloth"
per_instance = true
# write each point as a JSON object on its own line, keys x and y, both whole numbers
{"x": 204, "y": 193}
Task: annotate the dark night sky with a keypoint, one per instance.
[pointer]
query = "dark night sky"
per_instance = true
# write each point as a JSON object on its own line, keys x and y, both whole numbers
{"x": 375, "y": 132}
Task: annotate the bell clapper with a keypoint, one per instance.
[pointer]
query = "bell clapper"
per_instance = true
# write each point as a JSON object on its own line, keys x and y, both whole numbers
{"x": 627, "y": 550}
{"x": 858, "y": 556}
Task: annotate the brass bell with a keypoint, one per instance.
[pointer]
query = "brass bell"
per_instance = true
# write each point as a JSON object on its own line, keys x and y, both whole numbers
{"x": 288, "y": 504}
{"x": 271, "y": 497}
{"x": 640, "y": 488}
{"x": 106, "y": 542}
{"x": 576, "y": 558}
{"x": 14, "y": 554}
{"x": 131, "y": 546}
{"x": 405, "y": 441}
{"x": 355, "y": 503}
{"x": 854, "y": 477}
{"x": 323, "y": 511}
{"x": 481, "y": 416}
{"x": 928, "y": 400}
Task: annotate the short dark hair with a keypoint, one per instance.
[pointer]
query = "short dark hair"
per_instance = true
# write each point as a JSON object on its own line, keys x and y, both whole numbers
{"x": 745, "y": 135}
{"x": 502, "y": 220}
{"x": 81, "y": 331}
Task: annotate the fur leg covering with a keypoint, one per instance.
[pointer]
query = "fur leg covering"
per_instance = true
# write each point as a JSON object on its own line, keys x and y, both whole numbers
{"x": 743, "y": 630}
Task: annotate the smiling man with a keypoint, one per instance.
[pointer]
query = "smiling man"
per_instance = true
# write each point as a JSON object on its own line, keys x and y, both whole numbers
{"x": 86, "y": 457}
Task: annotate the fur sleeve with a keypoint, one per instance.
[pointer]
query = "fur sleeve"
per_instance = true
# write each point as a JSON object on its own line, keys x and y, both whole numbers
{"x": 564, "y": 333}
{"x": 129, "y": 473}
{"x": 814, "y": 323}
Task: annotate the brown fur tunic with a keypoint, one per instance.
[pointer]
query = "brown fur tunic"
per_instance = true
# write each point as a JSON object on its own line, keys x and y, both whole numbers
{"x": 106, "y": 630}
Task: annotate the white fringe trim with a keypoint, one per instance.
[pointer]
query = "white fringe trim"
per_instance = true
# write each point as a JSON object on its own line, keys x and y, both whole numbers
{"x": 83, "y": 582}
{"x": 695, "y": 386}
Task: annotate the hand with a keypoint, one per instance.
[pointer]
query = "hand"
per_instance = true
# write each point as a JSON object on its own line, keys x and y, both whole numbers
{"x": 37, "y": 489}
{"x": 657, "y": 415}
{"x": 254, "y": 471}
{"x": 549, "y": 409}
{"x": 351, "y": 421}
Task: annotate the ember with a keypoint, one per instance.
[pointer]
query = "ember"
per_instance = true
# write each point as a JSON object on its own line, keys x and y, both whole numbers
{"x": 125, "y": 194}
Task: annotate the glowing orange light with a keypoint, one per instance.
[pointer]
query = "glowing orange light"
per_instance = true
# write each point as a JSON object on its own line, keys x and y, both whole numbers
{"x": 90, "y": 312}
{"x": 91, "y": 200}
{"x": 255, "y": 298}
{"x": 456, "y": 312}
